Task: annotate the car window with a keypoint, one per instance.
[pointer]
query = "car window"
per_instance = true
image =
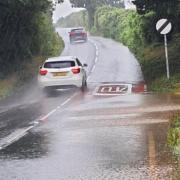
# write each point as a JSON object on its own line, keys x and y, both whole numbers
{"x": 78, "y": 62}
{"x": 59, "y": 64}
{"x": 76, "y": 30}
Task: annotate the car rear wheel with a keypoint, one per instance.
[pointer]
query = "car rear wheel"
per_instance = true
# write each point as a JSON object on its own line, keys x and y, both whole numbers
{"x": 84, "y": 86}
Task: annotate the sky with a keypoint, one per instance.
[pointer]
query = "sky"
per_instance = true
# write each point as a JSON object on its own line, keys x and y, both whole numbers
{"x": 65, "y": 9}
{"x": 129, "y": 4}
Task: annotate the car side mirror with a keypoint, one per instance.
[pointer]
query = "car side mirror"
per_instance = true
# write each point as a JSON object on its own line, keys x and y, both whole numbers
{"x": 85, "y": 65}
{"x": 40, "y": 67}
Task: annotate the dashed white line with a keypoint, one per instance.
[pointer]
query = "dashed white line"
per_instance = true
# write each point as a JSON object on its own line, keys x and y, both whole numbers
{"x": 54, "y": 110}
{"x": 103, "y": 117}
{"x": 97, "y": 53}
{"x": 19, "y": 133}
{"x": 64, "y": 103}
{"x": 95, "y": 60}
{"x": 49, "y": 114}
{"x": 93, "y": 69}
{"x": 14, "y": 136}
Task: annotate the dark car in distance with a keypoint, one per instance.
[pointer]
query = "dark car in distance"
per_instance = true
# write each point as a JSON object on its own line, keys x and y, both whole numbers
{"x": 77, "y": 34}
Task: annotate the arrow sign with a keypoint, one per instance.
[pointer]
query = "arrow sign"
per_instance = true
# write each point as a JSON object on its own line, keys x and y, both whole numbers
{"x": 163, "y": 26}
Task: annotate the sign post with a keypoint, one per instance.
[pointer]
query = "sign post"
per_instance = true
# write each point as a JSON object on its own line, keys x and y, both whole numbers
{"x": 164, "y": 26}
{"x": 166, "y": 54}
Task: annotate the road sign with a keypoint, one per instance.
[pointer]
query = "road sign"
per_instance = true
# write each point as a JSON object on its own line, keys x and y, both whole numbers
{"x": 163, "y": 26}
{"x": 113, "y": 89}
{"x": 119, "y": 89}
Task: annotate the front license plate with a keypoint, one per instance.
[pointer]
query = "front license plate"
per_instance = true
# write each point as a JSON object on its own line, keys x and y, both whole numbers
{"x": 59, "y": 73}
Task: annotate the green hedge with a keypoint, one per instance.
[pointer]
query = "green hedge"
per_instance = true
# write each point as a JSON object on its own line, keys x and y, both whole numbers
{"x": 173, "y": 136}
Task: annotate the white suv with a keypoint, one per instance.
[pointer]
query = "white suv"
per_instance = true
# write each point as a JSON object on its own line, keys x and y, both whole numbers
{"x": 62, "y": 72}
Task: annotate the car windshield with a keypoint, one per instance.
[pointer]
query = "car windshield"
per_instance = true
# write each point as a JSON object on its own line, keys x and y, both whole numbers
{"x": 77, "y": 30}
{"x": 59, "y": 64}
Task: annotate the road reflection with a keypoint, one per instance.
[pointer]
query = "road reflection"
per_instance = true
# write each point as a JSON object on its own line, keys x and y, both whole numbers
{"x": 162, "y": 162}
{"x": 33, "y": 145}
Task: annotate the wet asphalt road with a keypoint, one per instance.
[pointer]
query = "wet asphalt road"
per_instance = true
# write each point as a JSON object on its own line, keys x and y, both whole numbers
{"x": 85, "y": 136}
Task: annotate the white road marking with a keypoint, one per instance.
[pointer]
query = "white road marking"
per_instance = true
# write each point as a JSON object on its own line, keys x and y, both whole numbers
{"x": 117, "y": 92}
{"x": 14, "y": 136}
{"x": 96, "y": 58}
{"x": 19, "y": 133}
{"x": 119, "y": 120}
{"x": 49, "y": 114}
{"x": 97, "y": 53}
{"x": 36, "y": 123}
{"x": 64, "y": 103}
{"x": 54, "y": 110}
{"x": 93, "y": 69}
{"x": 155, "y": 109}
{"x": 95, "y": 46}
{"x": 143, "y": 122}
{"x": 133, "y": 110}
{"x": 102, "y": 117}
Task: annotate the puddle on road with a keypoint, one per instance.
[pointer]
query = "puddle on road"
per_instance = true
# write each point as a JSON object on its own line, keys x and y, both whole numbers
{"x": 19, "y": 117}
{"x": 33, "y": 145}
{"x": 89, "y": 151}
{"x": 158, "y": 162}
{"x": 162, "y": 163}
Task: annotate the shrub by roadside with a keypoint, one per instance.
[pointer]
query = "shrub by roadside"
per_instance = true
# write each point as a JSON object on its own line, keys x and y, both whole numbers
{"x": 27, "y": 34}
{"x": 28, "y": 70}
{"x": 7, "y": 86}
{"x": 173, "y": 140}
{"x": 164, "y": 85}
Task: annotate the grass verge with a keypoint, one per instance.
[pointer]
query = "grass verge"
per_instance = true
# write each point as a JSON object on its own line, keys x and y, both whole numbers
{"x": 173, "y": 137}
{"x": 164, "y": 85}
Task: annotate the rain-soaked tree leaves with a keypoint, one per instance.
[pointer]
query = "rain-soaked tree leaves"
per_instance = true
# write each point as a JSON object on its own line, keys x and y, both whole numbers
{"x": 21, "y": 25}
{"x": 161, "y": 7}
{"x": 91, "y": 6}
{"x": 169, "y": 9}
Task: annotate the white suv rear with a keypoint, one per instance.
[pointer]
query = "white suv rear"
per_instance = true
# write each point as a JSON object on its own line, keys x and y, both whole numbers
{"x": 62, "y": 72}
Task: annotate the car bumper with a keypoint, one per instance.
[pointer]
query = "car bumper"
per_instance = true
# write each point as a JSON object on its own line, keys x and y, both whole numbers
{"x": 78, "y": 38}
{"x": 58, "y": 84}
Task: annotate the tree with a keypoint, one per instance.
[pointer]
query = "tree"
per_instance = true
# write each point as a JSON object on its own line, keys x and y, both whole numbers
{"x": 169, "y": 9}
{"x": 161, "y": 7}
{"x": 20, "y": 22}
{"x": 91, "y": 6}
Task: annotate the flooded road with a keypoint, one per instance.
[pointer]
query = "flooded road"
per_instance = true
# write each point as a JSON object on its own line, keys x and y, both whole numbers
{"x": 91, "y": 135}
{"x": 95, "y": 138}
